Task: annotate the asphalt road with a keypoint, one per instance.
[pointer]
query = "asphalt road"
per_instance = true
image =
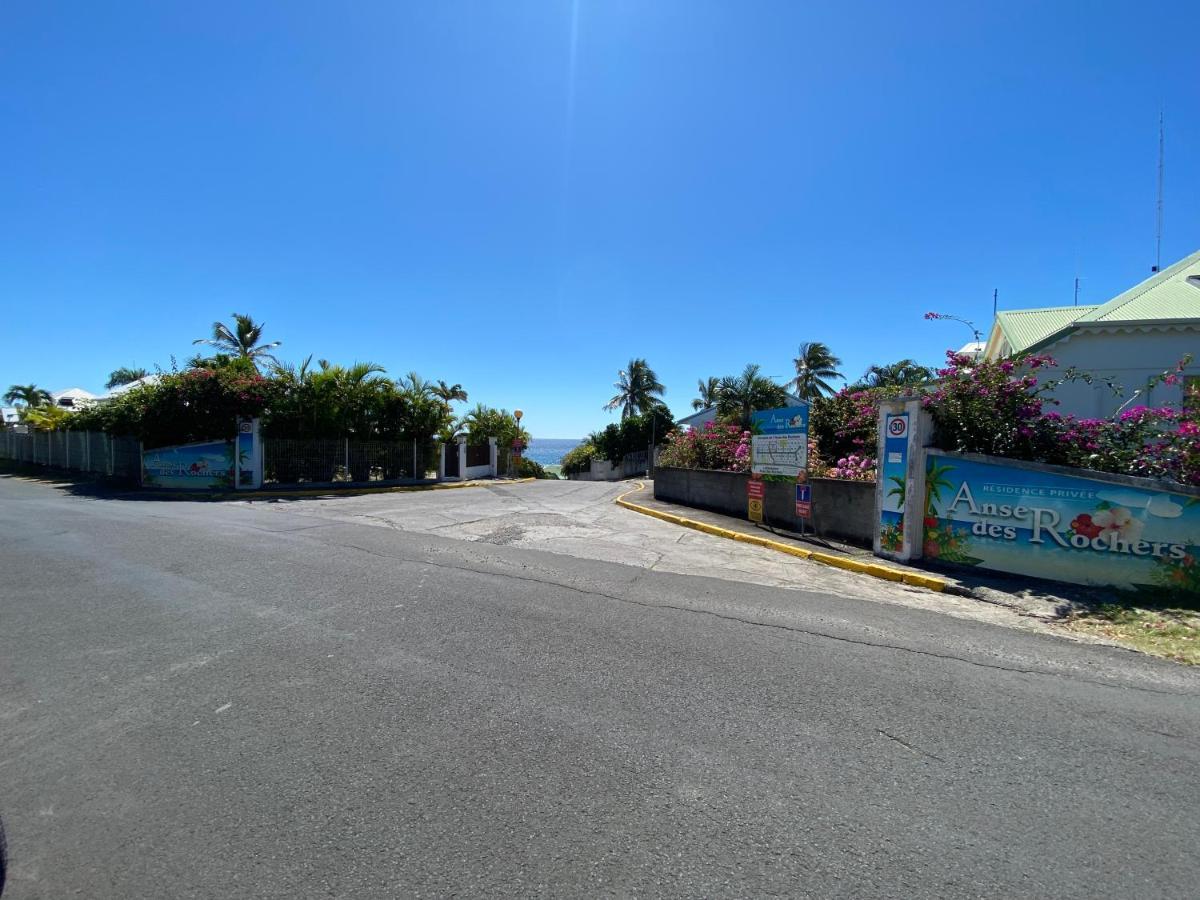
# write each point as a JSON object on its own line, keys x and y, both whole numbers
{"x": 211, "y": 700}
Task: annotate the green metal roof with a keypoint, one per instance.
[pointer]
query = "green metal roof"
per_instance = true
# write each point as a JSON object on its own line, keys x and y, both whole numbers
{"x": 1169, "y": 294}
{"x": 1172, "y": 294}
{"x": 1023, "y": 328}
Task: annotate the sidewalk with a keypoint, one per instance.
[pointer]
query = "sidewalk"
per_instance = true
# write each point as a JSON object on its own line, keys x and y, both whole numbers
{"x": 1042, "y": 599}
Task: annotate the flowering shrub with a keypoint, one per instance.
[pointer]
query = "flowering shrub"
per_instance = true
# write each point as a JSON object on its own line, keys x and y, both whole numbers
{"x": 984, "y": 407}
{"x": 194, "y": 405}
{"x": 853, "y": 468}
{"x": 987, "y": 407}
{"x": 722, "y": 447}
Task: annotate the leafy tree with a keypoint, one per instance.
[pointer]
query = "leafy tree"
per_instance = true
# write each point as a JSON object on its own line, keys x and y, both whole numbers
{"x": 485, "y": 422}
{"x": 904, "y": 373}
{"x": 633, "y": 435}
{"x": 47, "y": 417}
{"x": 28, "y": 395}
{"x": 741, "y": 395}
{"x": 708, "y": 391}
{"x": 450, "y": 392}
{"x": 638, "y": 389}
{"x": 243, "y": 341}
{"x": 815, "y": 364}
{"x": 124, "y": 375}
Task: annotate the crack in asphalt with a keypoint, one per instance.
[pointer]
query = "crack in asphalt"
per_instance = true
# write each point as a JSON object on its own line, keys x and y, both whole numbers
{"x": 767, "y": 625}
{"x": 903, "y": 743}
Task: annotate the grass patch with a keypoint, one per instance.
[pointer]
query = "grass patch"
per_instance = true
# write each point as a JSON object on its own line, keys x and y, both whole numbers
{"x": 1171, "y": 633}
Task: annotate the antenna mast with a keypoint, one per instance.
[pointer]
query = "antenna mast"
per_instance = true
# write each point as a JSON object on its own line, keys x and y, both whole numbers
{"x": 1159, "y": 223}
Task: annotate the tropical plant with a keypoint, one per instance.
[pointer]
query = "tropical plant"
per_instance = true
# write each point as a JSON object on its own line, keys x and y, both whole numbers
{"x": 47, "y": 417}
{"x": 124, "y": 375}
{"x": 899, "y": 489}
{"x": 450, "y": 392}
{"x": 708, "y": 390}
{"x": 27, "y": 395}
{"x": 638, "y": 389}
{"x": 814, "y": 366}
{"x": 243, "y": 341}
{"x": 739, "y": 396}
{"x": 484, "y": 422}
{"x": 634, "y": 435}
{"x": 904, "y": 373}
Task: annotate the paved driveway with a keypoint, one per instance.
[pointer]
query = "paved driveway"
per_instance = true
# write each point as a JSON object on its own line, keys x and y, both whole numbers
{"x": 579, "y": 519}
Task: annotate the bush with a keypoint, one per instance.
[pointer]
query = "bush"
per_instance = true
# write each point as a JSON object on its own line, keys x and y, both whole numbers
{"x": 579, "y": 459}
{"x": 527, "y": 468}
{"x": 182, "y": 407}
{"x": 721, "y": 447}
{"x": 846, "y": 426}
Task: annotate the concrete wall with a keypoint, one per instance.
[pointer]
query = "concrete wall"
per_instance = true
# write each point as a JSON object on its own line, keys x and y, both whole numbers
{"x": 1128, "y": 357}
{"x": 841, "y": 509}
{"x": 602, "y": 470}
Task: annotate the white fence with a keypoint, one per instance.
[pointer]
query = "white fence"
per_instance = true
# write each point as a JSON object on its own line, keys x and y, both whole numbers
{"x": 77, "y": 451}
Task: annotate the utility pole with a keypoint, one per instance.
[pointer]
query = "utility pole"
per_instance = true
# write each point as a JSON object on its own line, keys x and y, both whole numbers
{"x": 1159, "y": 223}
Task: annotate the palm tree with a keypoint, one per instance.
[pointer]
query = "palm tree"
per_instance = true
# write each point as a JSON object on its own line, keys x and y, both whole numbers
{"x": 28, "y": 394}
{"x": 638, "y": 389}
{"x": 814, "y": 365}
{"x": 904, "y": 373}
{"x": 708, "y": 391}
{"x": 243, "y": 341}
{"x": 124, "y": 375}
{"x": 740, "y": 396}
{"x": 900, "y": 490}
{"x": 449, "y": 392}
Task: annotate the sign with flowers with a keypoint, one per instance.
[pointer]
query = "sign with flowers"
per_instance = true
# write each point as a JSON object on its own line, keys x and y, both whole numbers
{"x": 1031, "y": 521}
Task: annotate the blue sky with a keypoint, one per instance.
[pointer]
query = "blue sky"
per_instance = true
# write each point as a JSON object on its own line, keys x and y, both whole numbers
{"x": 520, "y": 196}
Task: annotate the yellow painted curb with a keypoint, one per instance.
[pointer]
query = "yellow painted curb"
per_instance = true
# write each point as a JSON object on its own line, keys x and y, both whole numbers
{"x": 874, "y": 569}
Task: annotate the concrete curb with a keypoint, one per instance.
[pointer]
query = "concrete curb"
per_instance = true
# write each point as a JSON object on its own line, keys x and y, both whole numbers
{"x": 875, "y": 570}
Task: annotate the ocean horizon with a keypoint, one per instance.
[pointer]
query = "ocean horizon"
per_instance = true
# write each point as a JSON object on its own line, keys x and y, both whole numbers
{"x": 550, "y": 451}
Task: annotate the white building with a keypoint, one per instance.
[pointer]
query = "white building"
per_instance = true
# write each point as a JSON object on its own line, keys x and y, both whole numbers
{"x": 1127, "y": 341}
{"x": 73, "y": 398}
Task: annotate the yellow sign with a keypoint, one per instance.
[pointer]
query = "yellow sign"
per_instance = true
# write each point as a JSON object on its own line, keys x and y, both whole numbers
{"x": 754, "y": 509}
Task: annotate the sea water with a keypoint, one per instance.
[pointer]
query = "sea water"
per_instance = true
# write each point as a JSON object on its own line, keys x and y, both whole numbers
{"x": 550, "y": 451}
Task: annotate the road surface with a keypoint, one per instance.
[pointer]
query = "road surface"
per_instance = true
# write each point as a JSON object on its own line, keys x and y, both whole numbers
{"x": 253, "y": 700}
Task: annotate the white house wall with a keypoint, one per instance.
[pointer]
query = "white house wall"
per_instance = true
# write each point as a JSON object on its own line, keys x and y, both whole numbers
{"x": 1130, "y": 358}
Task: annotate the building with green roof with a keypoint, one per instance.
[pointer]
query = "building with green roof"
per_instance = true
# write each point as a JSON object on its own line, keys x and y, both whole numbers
{"x": 1122, "y": 344}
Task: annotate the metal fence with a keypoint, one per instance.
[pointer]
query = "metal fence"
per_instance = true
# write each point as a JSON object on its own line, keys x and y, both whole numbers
{"x": 76, "y": 451}
{"x": 638, "y": 463}
{"x": 340, "y": 460}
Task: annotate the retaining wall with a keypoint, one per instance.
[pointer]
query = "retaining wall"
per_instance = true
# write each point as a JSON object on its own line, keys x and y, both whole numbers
{"x": 841, "y": 509}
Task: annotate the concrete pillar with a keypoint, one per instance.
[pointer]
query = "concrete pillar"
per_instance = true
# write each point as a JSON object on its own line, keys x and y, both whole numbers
{"x": 904, "y": 432}
{"x": 492, "y": 456}
{"x": 462, "y": 457}
{"x": 441, "y": 475}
